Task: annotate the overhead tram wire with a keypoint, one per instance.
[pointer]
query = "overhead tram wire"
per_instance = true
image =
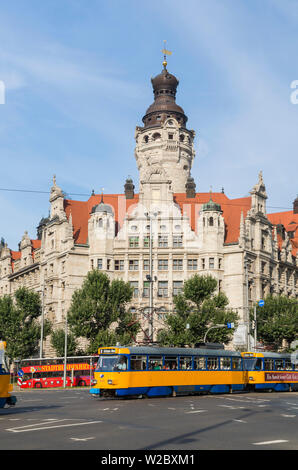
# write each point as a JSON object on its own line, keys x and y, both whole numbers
{"x": 117, "y": 195}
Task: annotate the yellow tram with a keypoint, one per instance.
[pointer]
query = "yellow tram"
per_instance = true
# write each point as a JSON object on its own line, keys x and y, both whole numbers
{"x": 5, "y": 385}
{"x": 158, "y": 371}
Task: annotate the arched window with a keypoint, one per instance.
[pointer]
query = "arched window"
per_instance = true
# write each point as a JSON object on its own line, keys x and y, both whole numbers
{"x": 211, "y": 221}
{"x": 156, "y": 136}
{"x": 100, "y": 223}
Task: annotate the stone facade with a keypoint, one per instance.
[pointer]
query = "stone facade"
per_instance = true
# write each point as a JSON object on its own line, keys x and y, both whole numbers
{"x": 160, "y": 237}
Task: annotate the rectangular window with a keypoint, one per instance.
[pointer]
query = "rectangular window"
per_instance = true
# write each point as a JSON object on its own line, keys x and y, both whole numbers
{"x": 171, "y": 363}
{"x": 133, "y": 242}
{"x": 203, "y": 263}
{"x": 133, "y": 265}
{"x": 269, "y": 364}
{"x": 146, "y": 264}
{"x": 177, "y": 264}
{"x": 279, "y": 364}
{"x": 163, "y": 264}
{"x": 163, "y": 288}
{"x": 211, "y": 263}
{"x": 219, "y": 263}
{"x": 192, "y": 264}
{"x": 135, "y": 286}
{"x": 138, "y": 362}
{"x": 108, "y": 264}
{"x": 199, "y": 363}
{"x": 146, "y": 242}
{"x": 99, "y": 263}
{"x": 162, "y": 241}
{"x": 119, "y": 264}
{"x": 212, "y": 363}
{"x": 177, "y": 241}
{"x": 236, "y": 363}
{"x": 177, "y": 287}
{"x": 185, "y": 363}
{"x": 225, "y": 363}
{"x": 146, "y": 288}
{"x": 155, "y": 362}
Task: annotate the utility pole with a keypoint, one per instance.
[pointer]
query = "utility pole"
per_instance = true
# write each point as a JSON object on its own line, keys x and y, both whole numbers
{"x": 65, "y": 352}
{"x": 42, "y": 323}
{"x": 246, "y": 318}
{"x": 151, "y": 285}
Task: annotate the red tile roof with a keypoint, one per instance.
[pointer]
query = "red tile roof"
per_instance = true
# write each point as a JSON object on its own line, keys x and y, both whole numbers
{"x": 80, "y": 211}
{"x": 290, "y": 222}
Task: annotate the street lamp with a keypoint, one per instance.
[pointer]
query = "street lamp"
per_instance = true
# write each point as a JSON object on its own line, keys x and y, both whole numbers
{"x": 150, "y": 276}
{"x": 220, "y": 325}
{"x": 65, "y": 352}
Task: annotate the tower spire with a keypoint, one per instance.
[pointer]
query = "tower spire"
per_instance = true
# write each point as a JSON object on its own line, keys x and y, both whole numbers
{"x": 165, "y": 53}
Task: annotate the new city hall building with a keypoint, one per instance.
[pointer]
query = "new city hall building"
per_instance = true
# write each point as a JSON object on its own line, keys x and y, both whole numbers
{"x": 157, "y": 239}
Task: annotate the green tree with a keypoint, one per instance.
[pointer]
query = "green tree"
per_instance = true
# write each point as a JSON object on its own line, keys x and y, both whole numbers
{"x": 97, "y": 305}
{"x": 277, "y": 320}
{"x": 58, "y": 343}
{"x": 19, "y": 323}
{"x": 197, "y": 308}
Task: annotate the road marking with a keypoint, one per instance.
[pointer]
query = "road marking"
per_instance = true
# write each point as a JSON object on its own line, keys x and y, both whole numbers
{"x": 21, "y": 429}
{"x": 240, "y": 420}
{"x": 289, "y": 416}
{"x": 232, "y": 407}
{"x": 265, "y": 443}
{"x": 81, "y": 439}
{"x": 195, "y": 411}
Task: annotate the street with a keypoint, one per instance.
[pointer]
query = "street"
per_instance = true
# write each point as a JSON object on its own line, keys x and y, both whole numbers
{"x": 73, "y": 420}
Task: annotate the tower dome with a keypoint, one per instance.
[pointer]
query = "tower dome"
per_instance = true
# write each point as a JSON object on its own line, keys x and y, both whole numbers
{"x": 211, "y": 206}
{"x": 164, "y": 105}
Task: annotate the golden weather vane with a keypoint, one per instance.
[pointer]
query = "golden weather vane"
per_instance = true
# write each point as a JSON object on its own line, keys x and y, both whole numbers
{"x": 165, "y": 53}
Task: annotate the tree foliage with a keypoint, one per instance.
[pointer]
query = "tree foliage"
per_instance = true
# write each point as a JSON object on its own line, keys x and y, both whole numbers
{"x": 96, "y": 306}
{"x": 19, "y": 323}
{"x": 277, "y": 320}
{"x": 197, "y": 308}
{"x": 58, "y": 343}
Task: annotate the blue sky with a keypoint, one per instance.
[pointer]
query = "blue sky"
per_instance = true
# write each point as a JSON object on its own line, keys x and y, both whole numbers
{"x": 77, "y": 83}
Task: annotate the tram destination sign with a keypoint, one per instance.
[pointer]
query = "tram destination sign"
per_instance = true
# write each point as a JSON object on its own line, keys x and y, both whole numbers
{"x": 107, "y": 351}
{"x": 284, "y": 376}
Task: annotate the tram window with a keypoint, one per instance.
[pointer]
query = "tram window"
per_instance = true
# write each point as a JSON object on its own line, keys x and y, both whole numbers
{"x": 288, "y": 364}
{"x": 269, "y": 364}
{"x": 225, "y": 363}
{"x": 212, "y": 363}
{"x": 171, "y": 363}
{"x": 236, "y": 363}
{"x": 199, "y": 363}
{"x": 185, "y": 363}
{"x": 37, "y": 375}
{"x": 155, "y": 362}
{"x": 138, "y": 362}
{"x": 258, "y": 364}
{"x": 279, "y": 364}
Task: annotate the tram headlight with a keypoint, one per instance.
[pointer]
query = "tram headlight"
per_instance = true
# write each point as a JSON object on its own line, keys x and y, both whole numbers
{"x": 93, "y": 382}
{"x": 110, "y": 382}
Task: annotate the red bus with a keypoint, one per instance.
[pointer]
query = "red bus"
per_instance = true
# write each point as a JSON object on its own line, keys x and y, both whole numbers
{"x": 49, "y": 372}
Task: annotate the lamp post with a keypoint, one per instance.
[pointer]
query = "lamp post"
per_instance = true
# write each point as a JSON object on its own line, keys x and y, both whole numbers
{"x": 220, "y": 325}
{"x": 150, "y": 276}
{"x": 65, "y": 352}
